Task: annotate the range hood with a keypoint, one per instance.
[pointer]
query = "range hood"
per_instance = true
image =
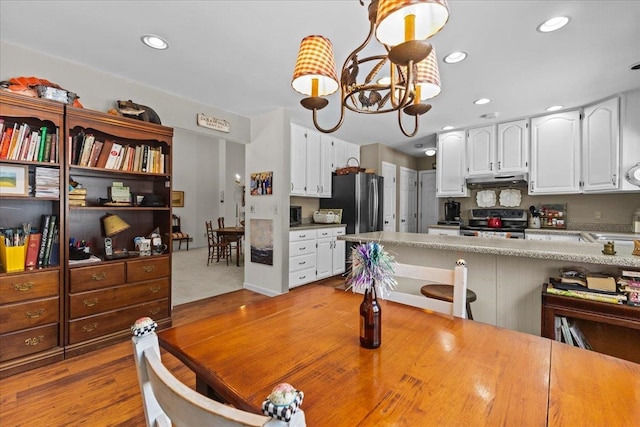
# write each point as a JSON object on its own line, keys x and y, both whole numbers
{"x": 503, "y": 181}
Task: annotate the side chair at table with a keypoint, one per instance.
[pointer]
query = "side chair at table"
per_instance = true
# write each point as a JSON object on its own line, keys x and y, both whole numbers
{"x": 232, "y": 241}
{"x": 218, "y": 246}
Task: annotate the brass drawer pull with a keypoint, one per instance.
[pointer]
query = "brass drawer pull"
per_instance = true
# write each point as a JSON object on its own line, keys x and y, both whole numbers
{"x": 154, "y": 310}
{"x": 34, "y": 314}
{"x": 154, "y": 289}
{"x": 148, "y": 268}
{"x": 34, "y": 340}
{"x": 21, "y": 287}
{"x": 90, "y": 302}
{"x": 98, "y": 276}
{"x": 90, "y": 327}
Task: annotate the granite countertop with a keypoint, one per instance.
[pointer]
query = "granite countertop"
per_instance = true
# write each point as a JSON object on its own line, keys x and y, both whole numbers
{"x": 313, "y": 226}
{"x": 584, "y": 252}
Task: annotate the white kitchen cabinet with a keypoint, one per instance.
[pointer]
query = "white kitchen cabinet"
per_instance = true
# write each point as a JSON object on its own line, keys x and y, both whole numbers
{"x": 512, "y": 147}
{"x": 311, "y": 159}
{"x": 630, "y": 135}
{"x": 444, "y": 231}
{"x": 553, "y": 237}
{"x": 342, "y": 152}
{"x": 302, "y": 257}
{"x": 601, "y": 147}
{"x": 330, "y": 252}
{"x": 298, "y": 160}
{"x": 481, "y": 151}
{"x": 555, "y": 154}
{"x": 451, "y": 165}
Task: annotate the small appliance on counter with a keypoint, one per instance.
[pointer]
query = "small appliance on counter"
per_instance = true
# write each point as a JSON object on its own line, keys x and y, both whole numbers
{"x": 451, "y": 211}
{"x": 295, "y": 216}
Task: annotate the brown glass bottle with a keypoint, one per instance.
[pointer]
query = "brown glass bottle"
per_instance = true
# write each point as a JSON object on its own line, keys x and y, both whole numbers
{"x": 370, "y": 320}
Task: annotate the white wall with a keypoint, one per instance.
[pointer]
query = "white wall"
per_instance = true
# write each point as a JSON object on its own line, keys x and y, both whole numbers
{"x": 269, "y": 151}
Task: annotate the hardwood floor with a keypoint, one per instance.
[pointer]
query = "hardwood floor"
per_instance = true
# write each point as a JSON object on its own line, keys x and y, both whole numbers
{"x": 101, "y": 388}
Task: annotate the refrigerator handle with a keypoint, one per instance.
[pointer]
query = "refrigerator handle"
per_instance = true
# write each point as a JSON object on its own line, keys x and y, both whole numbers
{"x": 374, "y": 198}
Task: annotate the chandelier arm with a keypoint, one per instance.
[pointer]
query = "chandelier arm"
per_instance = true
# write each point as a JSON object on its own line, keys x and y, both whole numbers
{"x": 337, "y": 126}
{"x": 415, "y": 129}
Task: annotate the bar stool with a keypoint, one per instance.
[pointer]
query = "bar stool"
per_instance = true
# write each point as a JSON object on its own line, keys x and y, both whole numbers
{"x": 445, "y": 293}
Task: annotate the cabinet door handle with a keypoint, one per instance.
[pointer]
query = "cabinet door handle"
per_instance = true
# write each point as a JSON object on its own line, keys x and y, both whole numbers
{"x": 90, "y": 327}
{"x": 301, "y": 278}
{"x": 98, "y": 276}
{"x": 302, "y": 263}
{"x": 90, "y": 302}
{"x": 614, "y": 179}
{"x": 148, "y": 268}
{"x": 22, "y": 287}
{"x": 491, "y": 166}
{"x": 154, "y": 310}
{"x": 154, "y": 289}
{"x": 34, "y": 341}
{"x": 34, "y": 314}
{"x": 292, "y": 186}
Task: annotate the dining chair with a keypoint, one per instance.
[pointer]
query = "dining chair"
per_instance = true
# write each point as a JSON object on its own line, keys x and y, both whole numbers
{"x": 169, "y": 402}
{"x": 176, "y": 232}
{"x": 455, "y": 278}
{"x": 233, "y": 241}
{"x": 217, "y": 245}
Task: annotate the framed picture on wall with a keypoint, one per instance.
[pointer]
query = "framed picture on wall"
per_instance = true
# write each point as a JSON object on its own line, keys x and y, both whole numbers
{"x": 261, "y": 183}
{"x": 177, "y": 199}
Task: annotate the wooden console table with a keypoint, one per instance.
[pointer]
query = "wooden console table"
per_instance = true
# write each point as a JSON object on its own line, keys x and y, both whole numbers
{"x": 612, "y": 329}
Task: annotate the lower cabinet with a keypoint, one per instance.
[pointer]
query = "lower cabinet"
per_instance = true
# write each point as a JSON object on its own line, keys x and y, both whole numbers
{"x": 29, "y": 321}
{"x": 315, "y": 254}
{"x": 444, "y": 231}
{"x": 106, "y": 299}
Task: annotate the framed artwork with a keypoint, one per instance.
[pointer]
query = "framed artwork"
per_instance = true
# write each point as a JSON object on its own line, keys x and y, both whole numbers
{"x": 261, "y": 183}
{"x": 14, "y": 180}
{"x": 177, "y": 199}
{"x": 261, "y": 241}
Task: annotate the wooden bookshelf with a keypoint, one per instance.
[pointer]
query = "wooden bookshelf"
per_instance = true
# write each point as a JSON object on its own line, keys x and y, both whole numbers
{"x": 612, "y": 329}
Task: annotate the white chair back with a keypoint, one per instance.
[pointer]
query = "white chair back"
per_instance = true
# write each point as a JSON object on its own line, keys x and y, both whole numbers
{"x": 456, "y": 277}
{"x": 167, "y": 401}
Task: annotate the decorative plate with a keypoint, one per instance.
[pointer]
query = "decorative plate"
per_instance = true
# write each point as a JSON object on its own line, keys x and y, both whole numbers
{"x": 486, "y": 198}
{"x": 510, "y": 198}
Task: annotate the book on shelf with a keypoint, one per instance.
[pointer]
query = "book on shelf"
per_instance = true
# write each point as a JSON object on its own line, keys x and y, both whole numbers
{"x": 78, "y": 190}
{"x": 54, "y": 255}
{"x": 34, "y": 143}
{"x": 631, "y": 273}
{"x": 566, "y": 333}
{"x": 104, "y": 154}
{"x": 95, "y": 153}
{"x": 77, "y": 196}
{"x": 5, "y": 143}
{"x": 53, "y": 158}
{"x": 43, "y": 141}
{"x": 47, "y": 148}
{"x": 45, "y": 223}
{"x": 612, "y": 298}
{"x": 87, "y": 146}
{"x": 578, "y": 337}
{"x": 24, "y": 137}
{"x": 114, "y": 153}
{"x": 31, "y": 259}
{"x": 53, "y": 226}
{"x": 601, "y": 282}
{"x": 76, "y": 147}
{"x": 13, "y": 142}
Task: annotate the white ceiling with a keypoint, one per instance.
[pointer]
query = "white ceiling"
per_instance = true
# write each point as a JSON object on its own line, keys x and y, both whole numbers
{"x": 239, "y": 55}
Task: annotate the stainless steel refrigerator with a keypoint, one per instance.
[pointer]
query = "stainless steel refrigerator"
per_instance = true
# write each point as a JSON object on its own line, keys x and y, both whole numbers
{"x": 359, "y": 195}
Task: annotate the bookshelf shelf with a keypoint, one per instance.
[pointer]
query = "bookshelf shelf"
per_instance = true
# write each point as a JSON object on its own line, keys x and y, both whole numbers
{"x": 612, "y": 329}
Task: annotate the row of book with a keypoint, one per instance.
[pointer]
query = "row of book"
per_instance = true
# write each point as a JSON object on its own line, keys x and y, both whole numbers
{"x": 86, "y": 150}
{"x": 22, "y": 142}
{"x": 568, "y": 332}
{"x": 47, "y": 182}
{"x": 44, "y": 247}
{"x": 624, "y": 288}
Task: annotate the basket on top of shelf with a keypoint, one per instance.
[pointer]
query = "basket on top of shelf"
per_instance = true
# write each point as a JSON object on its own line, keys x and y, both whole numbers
{"x": 350, "y": 169}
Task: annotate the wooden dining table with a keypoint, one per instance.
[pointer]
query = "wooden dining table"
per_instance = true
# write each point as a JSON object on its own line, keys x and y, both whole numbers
{"x": 431, "y": 369}
{"x": 232, "y": 234}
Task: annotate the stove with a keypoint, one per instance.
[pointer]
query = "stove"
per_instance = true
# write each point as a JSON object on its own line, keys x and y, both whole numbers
{"x": 514, "y": 222}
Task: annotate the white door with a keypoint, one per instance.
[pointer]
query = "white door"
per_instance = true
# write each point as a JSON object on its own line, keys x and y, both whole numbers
{"x": 601, "y": 146}
{"x": 481, "y": 148}
{"x": 408, "y": 199}
{"x": 451, "y": 165}
{"x": 513, "y": 147}
{"x": 389, "y": 196}
{"x": 324, "y": 258}
{"x": 427, "y": 201}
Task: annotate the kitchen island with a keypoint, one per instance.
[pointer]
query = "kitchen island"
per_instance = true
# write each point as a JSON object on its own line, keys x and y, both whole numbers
{"x": 506, "y": 274}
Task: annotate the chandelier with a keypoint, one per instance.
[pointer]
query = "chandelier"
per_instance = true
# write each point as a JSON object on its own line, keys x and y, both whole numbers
{"x": 402, "y": 27}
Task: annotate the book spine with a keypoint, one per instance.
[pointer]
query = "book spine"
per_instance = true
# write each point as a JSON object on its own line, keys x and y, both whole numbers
{"x": 24, "y": 145}
{"x": 55, "y": 146}
{"x": 145, "y": 158}
{"x": 53, "y": 229}
{"x": 586, "y": 295}
{"x": 47, "y": 149}
{"x": 31, "y": 259}
{"x": 43, "y": 142}
{"x": 7, "y": 142}
{"x": 14, "y": 141}
{"x": 44, "y": 230}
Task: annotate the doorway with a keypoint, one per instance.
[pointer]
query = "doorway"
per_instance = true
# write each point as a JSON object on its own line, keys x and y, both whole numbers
{"x": 427, "y": 200}
{"x": 389, "y": 196}
{"x": 408, "y": 200}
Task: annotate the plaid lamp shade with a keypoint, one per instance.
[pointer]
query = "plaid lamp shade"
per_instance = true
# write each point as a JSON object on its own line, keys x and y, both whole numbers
{"x": 430, "y": 17}
{"x": 428, "y": 76}
{"x": 315, "y": 60}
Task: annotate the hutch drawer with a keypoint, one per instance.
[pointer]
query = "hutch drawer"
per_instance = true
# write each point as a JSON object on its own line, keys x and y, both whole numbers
{"x": 28, "y": 341}
{"x": 101, "y": 300}
{"x": 14, "y": 317}
{"x": 115, "y": 321}
{"x": 148, "y": 268}
{"x": 96, "y": 277}
{"x": 22, "y": 287}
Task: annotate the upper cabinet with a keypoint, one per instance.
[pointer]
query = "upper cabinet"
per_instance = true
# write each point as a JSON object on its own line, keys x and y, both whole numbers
{"x": 298, "y": 159}
{"x": 630, "y": 137}
{"x": 481, "y": 151}
{"x": 555, "y": 154}
{"x": 601, "y": 147}
{"x": 512, "y": 147}
{"x": 451, "y": 165}
{"x": 343, "y": 151}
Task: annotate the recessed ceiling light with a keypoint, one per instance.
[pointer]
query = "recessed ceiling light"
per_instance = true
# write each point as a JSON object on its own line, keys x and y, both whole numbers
{"x": 482, "y": 101}
{"x": 449, "y": 127}
{"x": 430, "y": 152}
{"x": 155, "y": 42}
{"x": 553, "y": 24}
{"x": 455, "y": 57}
{"x": 554, "y": 108}
{"x": 419, "y": 145}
